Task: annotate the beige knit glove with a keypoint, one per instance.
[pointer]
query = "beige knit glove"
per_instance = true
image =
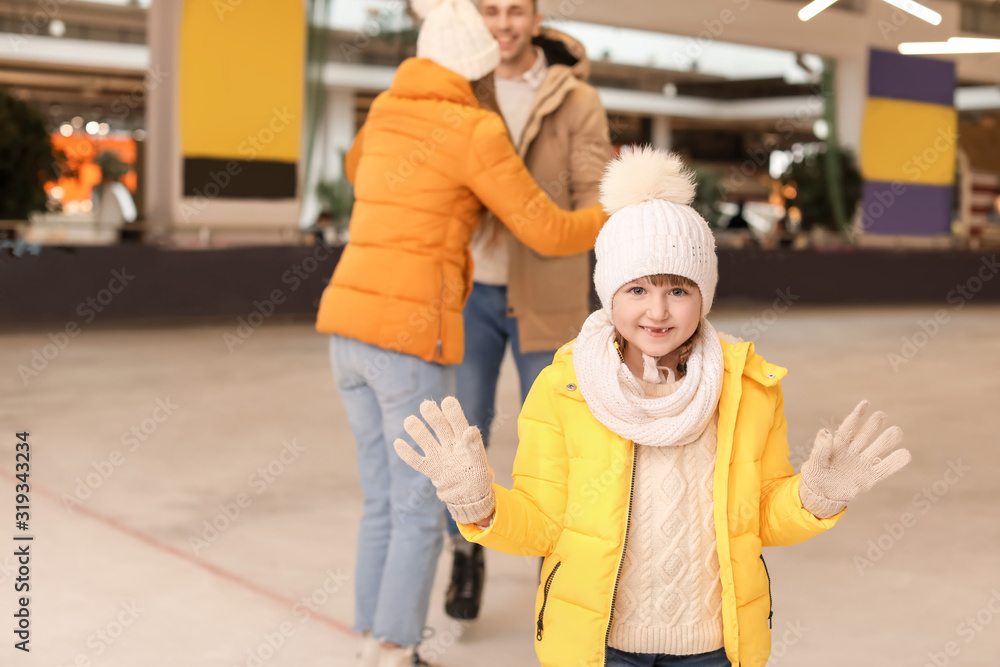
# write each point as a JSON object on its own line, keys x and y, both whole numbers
{"x": 842, "y": 464}
{"x": 455, "y": 461}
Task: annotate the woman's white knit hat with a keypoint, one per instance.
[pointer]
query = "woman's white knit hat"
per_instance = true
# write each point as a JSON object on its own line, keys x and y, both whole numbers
{"x": 454, "y": 36}
{"x": 652, "y": 228}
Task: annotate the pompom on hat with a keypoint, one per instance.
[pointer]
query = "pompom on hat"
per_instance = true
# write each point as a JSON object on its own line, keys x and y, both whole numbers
{"x": 652, "y": 228}
{"x": 454, "y": 36}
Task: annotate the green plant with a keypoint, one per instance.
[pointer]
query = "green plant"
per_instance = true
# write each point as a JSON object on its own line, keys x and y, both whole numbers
{"x": 112, "y": 168}
{"x": 812, "y": 193}
{"x": 708, "y": 194}
{"x": 336, "y": 199}
{"x": 27, "y": 160}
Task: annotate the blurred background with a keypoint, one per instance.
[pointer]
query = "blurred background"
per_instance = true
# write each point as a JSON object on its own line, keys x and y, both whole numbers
{"x": 172, "y": 205}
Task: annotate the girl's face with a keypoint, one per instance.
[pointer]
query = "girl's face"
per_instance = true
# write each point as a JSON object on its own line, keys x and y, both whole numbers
{"x": 654, "y": 320}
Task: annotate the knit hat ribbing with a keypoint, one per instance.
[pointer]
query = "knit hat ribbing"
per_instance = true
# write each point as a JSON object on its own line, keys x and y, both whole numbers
{"x": 652, "y": 228}
{"x": 454, "y": 36}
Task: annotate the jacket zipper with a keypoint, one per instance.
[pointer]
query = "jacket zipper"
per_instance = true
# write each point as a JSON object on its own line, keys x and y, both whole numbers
{"x": 618, "y": 575}
{"x": 545, "y": 601}
{"x": 770, "y": 601}
{"x": 440, "y": 317}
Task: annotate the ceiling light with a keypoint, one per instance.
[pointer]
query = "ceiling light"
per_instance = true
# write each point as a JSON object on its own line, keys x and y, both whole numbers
{"x": 958, "y": 46}
{"x": 974, "y": 40}
{"x": 814, "y": 8}
{"x": 917, "y": 10}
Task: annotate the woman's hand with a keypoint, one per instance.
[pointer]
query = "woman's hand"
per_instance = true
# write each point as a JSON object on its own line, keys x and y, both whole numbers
{"x": 843, "y": 464}
{"x": 455, "y": 461}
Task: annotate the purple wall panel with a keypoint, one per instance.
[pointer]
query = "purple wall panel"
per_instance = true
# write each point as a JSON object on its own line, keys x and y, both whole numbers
{"x": 906, "y": 208}
{"x": 913, "y": 78}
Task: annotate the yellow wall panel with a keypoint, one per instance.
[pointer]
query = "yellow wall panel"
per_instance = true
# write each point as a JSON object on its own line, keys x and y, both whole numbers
{"x": 242, "y": 79}
{"x": 911, "y": 142}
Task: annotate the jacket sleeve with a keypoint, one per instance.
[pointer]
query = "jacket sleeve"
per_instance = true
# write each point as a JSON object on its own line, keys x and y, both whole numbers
{"x": 529, "y": 517}
{"x": 499, "y": 179}
{"x": 783, "y": 519}
{"x": 590, "y": 146}
{"x": 353, "y": 156}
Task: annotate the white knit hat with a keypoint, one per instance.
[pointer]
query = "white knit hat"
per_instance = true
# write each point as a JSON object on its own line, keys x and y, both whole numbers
{"x": 454, "y": 36}
{"x": 652, "y": 228}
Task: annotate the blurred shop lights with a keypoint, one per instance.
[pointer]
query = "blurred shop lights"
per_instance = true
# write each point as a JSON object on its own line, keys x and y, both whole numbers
{"x": 821, "y": 129}
{"x": 75, "y": 207}
{"x": 75, "y": 186}
{"x": 57, "y": 28}
{"x": 94, "y": 128}
{"x": 954, "y": 45}
{"x": 915, "y": 8}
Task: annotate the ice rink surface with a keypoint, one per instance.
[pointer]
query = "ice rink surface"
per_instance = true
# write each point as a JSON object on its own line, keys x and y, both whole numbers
{"x": 194, "y": 505}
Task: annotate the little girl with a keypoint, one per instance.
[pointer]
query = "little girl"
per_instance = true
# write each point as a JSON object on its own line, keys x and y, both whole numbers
{"x": 653, "y": 457}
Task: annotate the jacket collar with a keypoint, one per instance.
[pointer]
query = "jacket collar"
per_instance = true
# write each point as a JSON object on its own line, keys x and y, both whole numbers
{"x": 568, "y": 67}
{"x": 424, "y": 79}
{"x": 740, "y": 357}
{"x": 561, "y": 49}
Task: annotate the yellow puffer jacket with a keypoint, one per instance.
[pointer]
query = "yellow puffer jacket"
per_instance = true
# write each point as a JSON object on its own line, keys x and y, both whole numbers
{"x": 425, "y": 162}
{"x": 571, "y": 502}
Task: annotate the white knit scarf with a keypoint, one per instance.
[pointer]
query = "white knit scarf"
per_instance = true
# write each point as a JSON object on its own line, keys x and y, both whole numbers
{"x": 617, "y": 400}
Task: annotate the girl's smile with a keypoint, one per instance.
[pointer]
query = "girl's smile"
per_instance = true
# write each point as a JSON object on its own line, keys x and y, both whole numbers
{"x": 656, "y": 332}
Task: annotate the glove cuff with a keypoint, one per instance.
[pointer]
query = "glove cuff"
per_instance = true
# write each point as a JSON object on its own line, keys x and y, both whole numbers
{"x": 474, "y": 511}
{"x": 819, "y": 506}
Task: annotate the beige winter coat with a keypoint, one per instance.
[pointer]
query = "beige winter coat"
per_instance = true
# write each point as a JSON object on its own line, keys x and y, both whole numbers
{"x": 565, "y": 146}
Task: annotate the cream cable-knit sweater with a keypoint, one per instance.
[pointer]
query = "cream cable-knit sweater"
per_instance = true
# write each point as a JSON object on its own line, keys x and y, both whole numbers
{"x": 670, "y": 593}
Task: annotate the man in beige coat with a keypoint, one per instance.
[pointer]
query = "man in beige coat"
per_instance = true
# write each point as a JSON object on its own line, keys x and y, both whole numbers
{"x": 530, "y": 301}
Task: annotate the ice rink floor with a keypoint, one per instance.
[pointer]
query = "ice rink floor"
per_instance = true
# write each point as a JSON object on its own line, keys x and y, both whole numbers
{"x": 195, "y": 505}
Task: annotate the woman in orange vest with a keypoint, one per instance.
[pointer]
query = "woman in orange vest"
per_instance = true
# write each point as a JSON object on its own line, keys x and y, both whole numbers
{"x": 424, "y": 164}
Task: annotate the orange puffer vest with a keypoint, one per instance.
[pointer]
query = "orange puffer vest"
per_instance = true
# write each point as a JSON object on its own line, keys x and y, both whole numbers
{"x": 425, "y": 162}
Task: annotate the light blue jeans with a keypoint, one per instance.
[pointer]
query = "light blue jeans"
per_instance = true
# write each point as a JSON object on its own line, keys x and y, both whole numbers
{"x": 618, "y": 658}
{"x": 400, "y": 537}
{"x": 487, "y": 332}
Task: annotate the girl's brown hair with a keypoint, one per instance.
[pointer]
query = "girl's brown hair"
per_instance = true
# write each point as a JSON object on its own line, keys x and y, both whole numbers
{"x": 668, "y": 280}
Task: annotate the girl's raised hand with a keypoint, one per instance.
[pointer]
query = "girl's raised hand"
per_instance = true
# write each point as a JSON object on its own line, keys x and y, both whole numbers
{"x": 455, "y": 461}
{"x": 844, "y": 464}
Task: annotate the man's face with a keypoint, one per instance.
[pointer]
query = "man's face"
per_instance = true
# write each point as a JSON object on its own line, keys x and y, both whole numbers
{"x": 513, "y": 23}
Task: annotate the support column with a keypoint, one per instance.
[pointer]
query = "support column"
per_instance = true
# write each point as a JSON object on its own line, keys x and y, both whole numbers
{"x": 852, "y": 92}
{"x": 340, "y": 129}
{"x": 162, "y": 150}
{"x": 662, "y": 138}
{"x": 336, "y": 134}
